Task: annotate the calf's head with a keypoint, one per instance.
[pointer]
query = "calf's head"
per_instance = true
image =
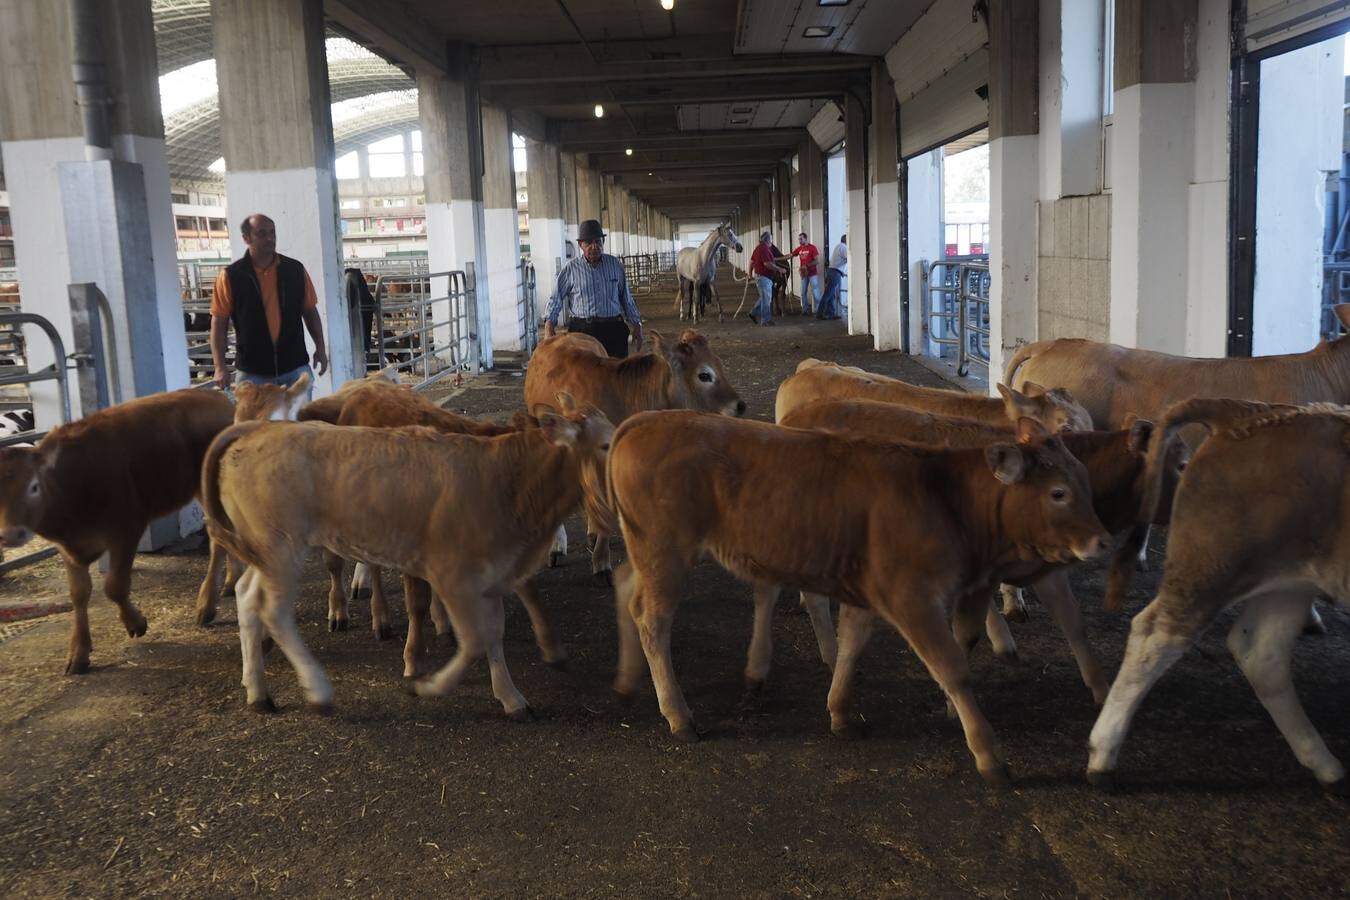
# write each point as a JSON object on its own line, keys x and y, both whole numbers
{"x": 585, "y": 432}
{"x": 1054, "y": 408}
{"x": 1175, "y": 457}
{"x": 699, "y": 370}
{"x": 1048, "y": 504}
{"x": 257, "y": 402}
{"x": 24, "y": 484}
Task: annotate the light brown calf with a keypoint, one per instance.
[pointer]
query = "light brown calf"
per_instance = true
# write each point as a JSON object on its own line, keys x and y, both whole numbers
{"x": 93, "y": 486}
{"x": 475, "y": 523}
{"x": 688, "y": 376}
{"x": 907, "y": 532}
{"x": 1112, "y": 382}
{"x": 819, "y": 380}
{"x": 1237, "y": 536}
{"x": 1117, "y": 473}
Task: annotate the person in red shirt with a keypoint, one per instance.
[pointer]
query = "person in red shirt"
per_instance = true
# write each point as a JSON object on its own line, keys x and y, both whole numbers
{"x": 762, "y": 266}
{"x": 807, "y": 254}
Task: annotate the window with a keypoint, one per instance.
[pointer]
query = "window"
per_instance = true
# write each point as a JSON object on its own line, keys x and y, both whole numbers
{"x": 416, "y": 138}
{"x": 385, "y": 158}
{"x": 350, "y": 204}
{"x": 389, "y": 202}
{"x": 348, "y": 166}
{"x": 1108, "y": 57}
{"x": 208, "y": 199}
{"x": 178, "y": 198}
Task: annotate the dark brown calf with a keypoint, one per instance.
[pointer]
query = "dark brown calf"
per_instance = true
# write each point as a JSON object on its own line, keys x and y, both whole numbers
{"x": 93, "y": 486}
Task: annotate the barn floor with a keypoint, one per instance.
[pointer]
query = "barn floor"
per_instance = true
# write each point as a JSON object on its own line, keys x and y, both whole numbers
{"x": 149, "y": 775}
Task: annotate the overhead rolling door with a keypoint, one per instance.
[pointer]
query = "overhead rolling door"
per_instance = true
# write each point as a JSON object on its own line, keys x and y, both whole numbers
{"x": 947, "y": 108}
{"x": 827, "y": 126}
{"x": 1271, "y": 22}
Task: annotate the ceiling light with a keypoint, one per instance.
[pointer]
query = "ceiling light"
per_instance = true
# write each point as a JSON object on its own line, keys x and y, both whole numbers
{"x": 667, "y": 5}
{"x": 599, "y": 110}
{"x": 740, "y": 121}
{"x": 817, "y": 31}
{"x": 742, "y": 110}
{"x": 832, "y": 2}
{"x": 649, "y": 173}
{"x": 627, "y": 151}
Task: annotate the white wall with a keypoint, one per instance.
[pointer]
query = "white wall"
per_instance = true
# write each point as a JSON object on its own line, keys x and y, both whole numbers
{"x": 925, "y": 225}
{"x": 1299, "y": 141}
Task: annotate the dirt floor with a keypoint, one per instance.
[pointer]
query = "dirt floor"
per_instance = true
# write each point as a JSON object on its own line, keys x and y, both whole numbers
{"x": 149, "y": 774}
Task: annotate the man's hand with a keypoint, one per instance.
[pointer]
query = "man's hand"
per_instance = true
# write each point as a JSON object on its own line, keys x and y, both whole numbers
{"x": 320, "y": 359}
{"x": 635, "y": 328}
{"x": 223, "y": 377}
{"x": 550, "y": 329}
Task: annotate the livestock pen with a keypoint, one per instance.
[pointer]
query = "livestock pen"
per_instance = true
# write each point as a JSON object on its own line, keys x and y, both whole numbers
{"x": 149, "y": 774}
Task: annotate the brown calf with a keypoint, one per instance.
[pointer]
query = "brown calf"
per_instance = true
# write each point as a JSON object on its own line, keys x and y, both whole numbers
{"x": 1117, "y": 473}
{"x": 894, "y": 529}
{"x": 93, "y": 486}
{"x": 1236, "y": 536}
{"x": 273, "y": 490}
{"x": 689, "y": 376}
{"x": 818, "y": 380}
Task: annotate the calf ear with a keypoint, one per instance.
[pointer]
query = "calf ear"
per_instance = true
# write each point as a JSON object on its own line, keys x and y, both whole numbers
{"x": 1015, "y": 403}
{"x": 1141, "y": 431}
{"x": 559, "y": 430}
{"x": 1005, "y": 461}
{"x": 1032, "y": 389}
{"x": 566, "y": 402}
{"x": 1029, "y": 430}
{"x": 658, "y": 342}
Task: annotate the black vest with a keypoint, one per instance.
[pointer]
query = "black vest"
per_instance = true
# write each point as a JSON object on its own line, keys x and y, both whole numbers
{"x": 254, "y": 351}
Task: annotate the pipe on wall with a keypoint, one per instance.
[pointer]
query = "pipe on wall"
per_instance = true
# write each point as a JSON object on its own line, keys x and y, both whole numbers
{"x": 91, "y": 78}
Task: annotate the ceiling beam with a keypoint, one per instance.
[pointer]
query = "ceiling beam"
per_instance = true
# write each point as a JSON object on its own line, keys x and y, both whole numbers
{"x": 573, "y": 65}
{"x": 786, "y": 86}
{"x": 388, "y": 27}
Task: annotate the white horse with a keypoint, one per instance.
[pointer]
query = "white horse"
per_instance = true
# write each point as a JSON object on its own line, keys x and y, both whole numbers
{"x": 697, "y": 266}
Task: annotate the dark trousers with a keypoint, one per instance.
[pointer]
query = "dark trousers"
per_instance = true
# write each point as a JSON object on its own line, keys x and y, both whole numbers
{"x": 612, "y": 334}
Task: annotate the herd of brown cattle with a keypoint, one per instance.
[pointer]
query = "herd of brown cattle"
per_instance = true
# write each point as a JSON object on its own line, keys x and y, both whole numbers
{"x": 906, "y": 503}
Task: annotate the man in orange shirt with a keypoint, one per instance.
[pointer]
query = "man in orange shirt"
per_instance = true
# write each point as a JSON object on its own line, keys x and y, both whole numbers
{"x": 266, "y": 296}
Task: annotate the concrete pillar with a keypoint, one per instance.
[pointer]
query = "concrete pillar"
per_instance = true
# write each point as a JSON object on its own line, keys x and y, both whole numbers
{"x": 811, "y": 213}
{"x": 61, "y": 204}
{"x": 501, "y": 230}
{"x": 447, "y": 108}
{"x": 567, "y": 167}
{"x": 1151, "y": 164}
{"x": 859, "y": 241}
{"x": 883, "y": 292}
{"x": 277, "y": 138}
{"x": 589, "y": 201}
{"x": 924, "y": 220}
{"x": 1014, "y": 29}
{"x": 546, "y": 208}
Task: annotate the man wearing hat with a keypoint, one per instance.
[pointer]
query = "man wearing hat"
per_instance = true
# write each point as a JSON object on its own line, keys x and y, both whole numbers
{"x": 595, "y": 289}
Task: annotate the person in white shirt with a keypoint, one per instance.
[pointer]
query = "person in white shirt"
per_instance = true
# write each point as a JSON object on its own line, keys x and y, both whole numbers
{"x": 834, "y": 277}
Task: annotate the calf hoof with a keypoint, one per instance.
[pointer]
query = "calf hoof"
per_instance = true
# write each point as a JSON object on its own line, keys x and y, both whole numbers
{"x": 522, "y": 716}
{"x": 1016, "y": 614}
{"x": 849, "y": 732}
{"x": 383, "y": 632}
{"x": 265, "y": 706}
{"x": 338, "y": 624}
{"x": 205, "y": 617}
{"x": 1102, "y": 781}
{"x": 319, "y": 709}
{"x": 137, "y": 627}
{"x": 625, "y": 694}
{"x": 554, "y": 559}
{"x": 1339, "y": 789}
{"x": 604, "y": 577}
{"x": 686, "y": 734}
{"x": 268, "y": 644}
{"x": 77, "y": 666}
{"x": 998, "y": 777}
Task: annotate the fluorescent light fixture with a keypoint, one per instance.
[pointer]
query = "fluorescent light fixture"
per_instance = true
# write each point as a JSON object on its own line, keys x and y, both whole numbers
{"x": 742, "y": 110}
{"x": 667, "y": 5}
{"x": 740, "y": 121}
{"x": 627, "y": 151}
{"x": 817, "y": 31}
{"x": 833, "y": 2}
{"x": 599, "y": 110}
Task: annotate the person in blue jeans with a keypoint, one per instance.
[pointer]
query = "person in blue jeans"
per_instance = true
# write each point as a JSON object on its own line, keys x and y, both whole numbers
{"x": 761, "y": 265}
{"x": 285, "y": 379}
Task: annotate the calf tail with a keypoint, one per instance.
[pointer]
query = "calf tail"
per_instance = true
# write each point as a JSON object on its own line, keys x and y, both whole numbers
{"x": 1024, "y": 353}
{"x": 218, "y": 521}
{"x": 1213, "y": 415}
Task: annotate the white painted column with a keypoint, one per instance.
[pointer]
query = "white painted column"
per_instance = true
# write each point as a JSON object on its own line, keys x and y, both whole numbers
{"x": 883, "y": 295}
{"x": 855, "y": 179}
{"x": 277, "y": 139}
{"x": 501, "y": 231}
{"x": 924, "y": 215}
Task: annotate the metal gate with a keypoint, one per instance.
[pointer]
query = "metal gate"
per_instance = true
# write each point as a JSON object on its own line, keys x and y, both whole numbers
{"x": 425, "y": 333}
{"x": 957, "y": 308}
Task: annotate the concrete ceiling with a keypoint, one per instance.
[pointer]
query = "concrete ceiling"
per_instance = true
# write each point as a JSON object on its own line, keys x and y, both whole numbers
{"x": 675, "y": 85}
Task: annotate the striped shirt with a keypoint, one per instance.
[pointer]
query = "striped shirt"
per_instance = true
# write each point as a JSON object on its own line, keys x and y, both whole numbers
{"x": 593, "y": 292}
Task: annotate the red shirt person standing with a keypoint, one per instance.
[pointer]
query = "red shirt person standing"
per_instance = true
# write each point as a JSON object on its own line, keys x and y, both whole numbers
{"x": 807, "y": 254}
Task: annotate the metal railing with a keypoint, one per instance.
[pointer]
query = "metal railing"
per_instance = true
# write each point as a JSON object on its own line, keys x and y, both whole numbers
{"x": 419, "y": 328}
{"x": 957, "y": 309}
{"x": 527, "y": 292}
{"x": 11, "y": 323}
